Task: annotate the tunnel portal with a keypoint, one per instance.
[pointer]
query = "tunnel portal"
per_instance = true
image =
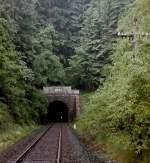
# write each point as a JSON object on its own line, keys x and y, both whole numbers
{"x": 64, "y": 104}
{"x": 58, "y": 112}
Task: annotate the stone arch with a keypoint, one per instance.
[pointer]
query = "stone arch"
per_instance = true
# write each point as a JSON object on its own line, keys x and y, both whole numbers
{"x": 66, "y": 95}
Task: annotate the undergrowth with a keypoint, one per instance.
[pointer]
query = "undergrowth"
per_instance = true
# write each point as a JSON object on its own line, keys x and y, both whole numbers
{"x": 115, "y": 145}
{"x": 13, "y": 133}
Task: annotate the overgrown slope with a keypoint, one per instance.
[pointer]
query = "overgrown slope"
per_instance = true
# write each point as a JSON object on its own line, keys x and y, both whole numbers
{"x": 118, "y": 114}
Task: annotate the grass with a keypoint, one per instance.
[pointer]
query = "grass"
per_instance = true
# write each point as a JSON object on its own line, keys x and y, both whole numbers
{"x": 13, "y": 133}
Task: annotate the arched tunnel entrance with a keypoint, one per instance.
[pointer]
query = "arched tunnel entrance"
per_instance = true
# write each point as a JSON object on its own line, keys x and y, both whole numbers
{"x": 58, "y": 112}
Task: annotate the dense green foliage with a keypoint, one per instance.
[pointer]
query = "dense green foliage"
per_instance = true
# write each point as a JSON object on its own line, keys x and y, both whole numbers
{"x": 46, "y": 64}
{"x": 66, "y": 18}
{"x": 119, "y": 110}
{"x": 36, "y": 40}
{"x": 16, "y": 93}
{"x": 98, "y": 32}
{"x": 79, "y": 30}
{"x": 74, "y": 42}
{"x": 51, "y": 43}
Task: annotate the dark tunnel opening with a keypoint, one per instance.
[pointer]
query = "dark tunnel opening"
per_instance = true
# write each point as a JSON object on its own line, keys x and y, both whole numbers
{"x": 57, "y": 112}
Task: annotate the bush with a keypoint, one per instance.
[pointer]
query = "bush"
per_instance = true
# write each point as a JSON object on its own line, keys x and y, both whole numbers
{"x": 119, "y": 111}
{"x": 5, "y": 117}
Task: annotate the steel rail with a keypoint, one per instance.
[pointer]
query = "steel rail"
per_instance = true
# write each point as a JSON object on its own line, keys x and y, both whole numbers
{"x": 29, "y": 148}
{"x": 59, "y": 147}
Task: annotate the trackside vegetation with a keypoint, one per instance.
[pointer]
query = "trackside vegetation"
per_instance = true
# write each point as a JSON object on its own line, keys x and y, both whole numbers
{"x": 118, "y": 114}
{"x": 15, "y": 132}
{"x": 75, "y": 42}
{"x": 51, "y": 43}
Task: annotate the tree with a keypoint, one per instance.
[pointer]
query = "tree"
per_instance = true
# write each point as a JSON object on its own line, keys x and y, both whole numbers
{"x": 81, "y": 72}
{"x": 66, "y": 19}
{"x": 47, "y": 67}
{"x": 15, "y": 82}
{"x": 97, "y": 34}
{"x": 119, "y": 110}
{"x": 21, "y": 17}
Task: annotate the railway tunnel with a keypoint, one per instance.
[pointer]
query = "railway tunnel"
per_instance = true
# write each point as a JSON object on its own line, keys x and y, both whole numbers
{"x": 64, "y": 104}
{"x": 58, "y": 112}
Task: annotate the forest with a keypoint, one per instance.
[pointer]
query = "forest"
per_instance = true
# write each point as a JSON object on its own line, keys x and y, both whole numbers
{"x": 75, "y": 42}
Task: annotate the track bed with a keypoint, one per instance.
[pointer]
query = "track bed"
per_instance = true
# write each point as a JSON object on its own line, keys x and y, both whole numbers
{"x": 57, "y": 143}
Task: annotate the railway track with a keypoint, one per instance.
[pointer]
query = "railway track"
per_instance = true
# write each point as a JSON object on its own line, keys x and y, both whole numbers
{"x": 56, "y": 144}
{"x": 59, "y": 147}
{"x": 29, "y": 148}
{"x": 24, "y": 158}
